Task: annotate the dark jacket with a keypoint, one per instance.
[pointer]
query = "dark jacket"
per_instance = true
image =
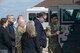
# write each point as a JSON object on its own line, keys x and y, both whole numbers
{"x": 11, "y": 31}
{"x": 41, "y": 35}
{"x": 28, "y": 44}
{"x": 5, "y": 42}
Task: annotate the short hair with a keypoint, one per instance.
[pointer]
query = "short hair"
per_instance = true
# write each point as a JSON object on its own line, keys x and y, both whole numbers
{"x": 54, "y": 15}
{"x": 8, "y": 16}
{"x": 3, "y": 20}
{"x": 41, "y": 14}
{"x": 18, "y": 17}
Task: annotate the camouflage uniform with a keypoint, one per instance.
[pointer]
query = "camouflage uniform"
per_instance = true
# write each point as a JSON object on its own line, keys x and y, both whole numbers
{"x": 54, "y": 46}
{"x": 19, "y": 32}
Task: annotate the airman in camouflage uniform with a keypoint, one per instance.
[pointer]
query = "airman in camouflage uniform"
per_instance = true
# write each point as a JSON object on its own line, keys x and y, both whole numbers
{"x": 53, "y": 44}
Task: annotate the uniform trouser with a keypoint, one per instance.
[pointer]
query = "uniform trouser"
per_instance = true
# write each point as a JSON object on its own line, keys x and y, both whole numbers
{"x": 19, "y": 50}
{"x": 3, "y": 51}
{"x": 55, "y": 49}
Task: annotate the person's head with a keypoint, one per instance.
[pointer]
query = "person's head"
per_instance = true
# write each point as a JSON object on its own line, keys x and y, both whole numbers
{"x": 22, "y": 23}
{"x": 54, "y": 19}
{"x": 20, "y": 17}
{"x": 30, "y": 28}
{"x": 4, "y": 22}
{"x": 42, "y": 16}
{"x": 10, "y": 18}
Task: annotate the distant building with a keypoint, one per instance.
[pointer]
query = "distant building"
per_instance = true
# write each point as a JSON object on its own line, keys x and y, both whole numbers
{"x": 47, "y": 3}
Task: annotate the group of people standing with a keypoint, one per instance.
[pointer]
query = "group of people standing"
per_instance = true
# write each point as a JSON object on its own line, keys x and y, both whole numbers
{"x": 30, "y": 36}
{"x": 7, "y": 35}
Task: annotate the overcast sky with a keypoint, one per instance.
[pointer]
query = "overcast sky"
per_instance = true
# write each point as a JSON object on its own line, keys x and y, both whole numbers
{"x": 16, "y": 7}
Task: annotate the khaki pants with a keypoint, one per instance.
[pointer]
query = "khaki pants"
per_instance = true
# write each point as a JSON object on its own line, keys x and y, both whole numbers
{"x": 19, "y": 50}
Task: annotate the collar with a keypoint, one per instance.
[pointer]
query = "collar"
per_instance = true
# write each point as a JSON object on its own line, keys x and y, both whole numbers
{"x": 39, "y": 20}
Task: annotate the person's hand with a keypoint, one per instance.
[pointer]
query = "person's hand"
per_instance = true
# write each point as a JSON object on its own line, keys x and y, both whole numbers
{"x": 58, "y": 32}
{"x": 54, "y": 34}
